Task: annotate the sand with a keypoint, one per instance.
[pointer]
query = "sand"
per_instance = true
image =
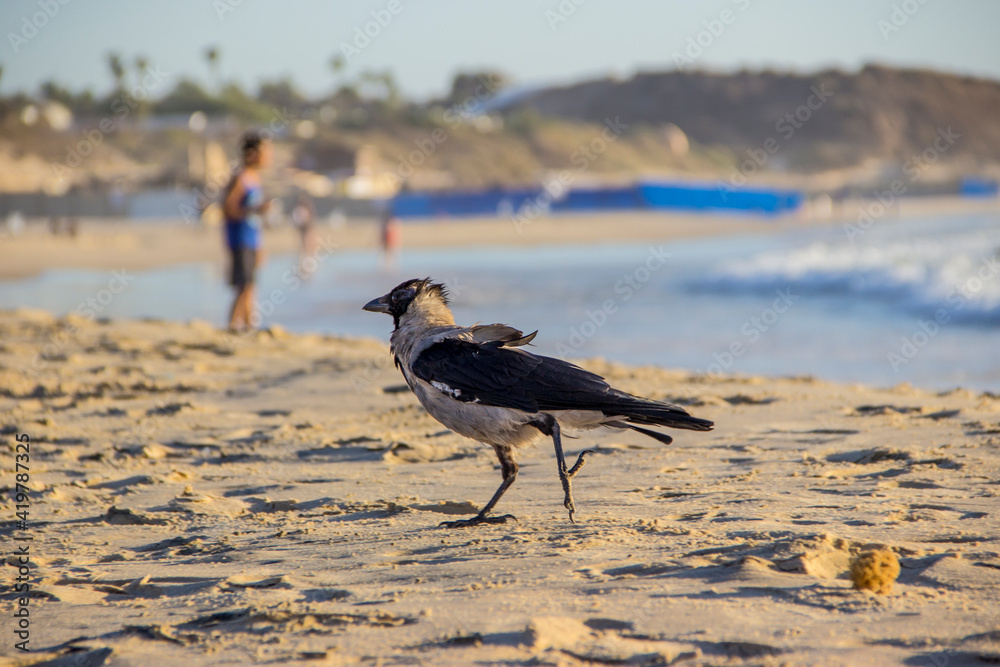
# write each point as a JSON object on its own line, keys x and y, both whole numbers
{"x": 204, "y": 499}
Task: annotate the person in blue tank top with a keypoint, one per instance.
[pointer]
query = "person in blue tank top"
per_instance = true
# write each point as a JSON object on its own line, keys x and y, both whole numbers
{"x": 243, "y": 206}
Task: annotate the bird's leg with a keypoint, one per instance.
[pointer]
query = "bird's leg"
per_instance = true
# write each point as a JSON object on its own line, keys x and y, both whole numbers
{"x": 508, "y": 468}
{"x": 548, "y": 425}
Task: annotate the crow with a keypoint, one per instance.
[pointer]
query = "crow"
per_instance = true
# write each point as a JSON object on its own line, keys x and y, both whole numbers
{"x": 479, "y": 383}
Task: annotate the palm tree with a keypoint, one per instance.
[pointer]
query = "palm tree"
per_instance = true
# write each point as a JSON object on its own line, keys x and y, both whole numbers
{"x": 381, "y": 86}
{"x": 212, "y": 56}
{"x": 141, "y": 63}
{"x": 117, "y": 70}
{"x": 338, "y": 63}
{"x": 388, "y": 82}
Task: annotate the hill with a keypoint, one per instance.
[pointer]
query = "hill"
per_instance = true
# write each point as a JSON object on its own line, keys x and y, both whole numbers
{"x": 829, "y": 119}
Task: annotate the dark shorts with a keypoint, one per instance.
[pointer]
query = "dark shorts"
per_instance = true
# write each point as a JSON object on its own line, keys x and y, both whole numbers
{"x": 243, "y": 261}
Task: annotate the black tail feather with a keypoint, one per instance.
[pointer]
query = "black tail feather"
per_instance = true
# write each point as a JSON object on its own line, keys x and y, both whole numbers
{"x": 662, "y": 437}
{"x": 655, "y": 435}
{"x": 654, "y": 413}
{"x": 673, "y": 420}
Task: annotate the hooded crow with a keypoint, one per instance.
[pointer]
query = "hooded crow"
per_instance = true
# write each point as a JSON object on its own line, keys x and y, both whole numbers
{"x": 478, "y": 382}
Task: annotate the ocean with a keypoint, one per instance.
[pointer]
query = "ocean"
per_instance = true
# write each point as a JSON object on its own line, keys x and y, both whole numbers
{"x": 913, "y": 300}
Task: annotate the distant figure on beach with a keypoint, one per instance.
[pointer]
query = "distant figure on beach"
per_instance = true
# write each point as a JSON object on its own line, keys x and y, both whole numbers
{"x": 68, "y": 226}
{"x": 304, "y": 219}
{"x": 389, "y": 234}
{"x": 13, "y": 224}
{"x": 243, "y": 205}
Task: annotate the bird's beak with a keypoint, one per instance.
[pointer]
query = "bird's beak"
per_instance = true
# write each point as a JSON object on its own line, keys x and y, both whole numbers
{"x": 379, "y": 305}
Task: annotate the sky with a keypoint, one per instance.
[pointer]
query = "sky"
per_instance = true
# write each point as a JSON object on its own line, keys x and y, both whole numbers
{"x": 536, "y": 42}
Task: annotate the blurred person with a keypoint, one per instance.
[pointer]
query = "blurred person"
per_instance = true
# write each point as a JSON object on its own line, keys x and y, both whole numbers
{"x": 389, "y": 236}
{"x": 243, "y": 205}
{"x": 304, "y": 219}
{"x": 275, "y": 215}
{"x": 14, "y": 224}
{"x": 116, "y": 198}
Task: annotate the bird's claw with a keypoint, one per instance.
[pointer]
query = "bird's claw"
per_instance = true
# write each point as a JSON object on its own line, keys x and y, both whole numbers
{"x": 580, "y": 460}
{"x": 476, "y": 520}
{"x": 566, "y": 475}
{"x": 572, "y": 510}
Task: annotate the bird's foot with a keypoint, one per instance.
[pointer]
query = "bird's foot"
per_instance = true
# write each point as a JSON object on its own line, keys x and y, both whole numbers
{"x": 476, "y": 520}
{"x": 565, "y": 476}
{"x": 568, "y": 500}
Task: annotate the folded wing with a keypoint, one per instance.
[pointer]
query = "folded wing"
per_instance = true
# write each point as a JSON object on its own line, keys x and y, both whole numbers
{"x": 490, "y": 373}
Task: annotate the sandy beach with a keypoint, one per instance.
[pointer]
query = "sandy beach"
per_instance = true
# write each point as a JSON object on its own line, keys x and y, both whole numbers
{"x": 776, "y": 221}
{"x": 204, "y": 499}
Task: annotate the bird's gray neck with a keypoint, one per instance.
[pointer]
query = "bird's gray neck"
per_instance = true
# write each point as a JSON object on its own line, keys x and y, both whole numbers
{"x": 422, "y": 319}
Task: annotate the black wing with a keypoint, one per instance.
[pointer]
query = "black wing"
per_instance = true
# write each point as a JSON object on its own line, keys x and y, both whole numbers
{"x": 490, "y": 374}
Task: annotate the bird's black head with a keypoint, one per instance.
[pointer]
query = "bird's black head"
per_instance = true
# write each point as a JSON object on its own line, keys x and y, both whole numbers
{"x": 398, "y": 301}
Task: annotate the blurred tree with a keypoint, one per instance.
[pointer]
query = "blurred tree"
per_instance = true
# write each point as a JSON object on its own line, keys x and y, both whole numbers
{"x": 212, "y": 56}
{"x": 141, "y": 63}
{"x": 381, "y": 87}
{"x": 477, "y": 85}
{"x": 117, "y": 68}
{"x": 188, "y": 97}
{"x": 346, "y": 97}
{"x": 78, "y": 103}
{"x": 337, "y": 64}
{"x": 235, "y": 101}
{"x": 281, "y": 94}
{"x": 392, "y": 96}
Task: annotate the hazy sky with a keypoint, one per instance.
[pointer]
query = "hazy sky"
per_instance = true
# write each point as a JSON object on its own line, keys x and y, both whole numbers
{"x": 428, "y": 41}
